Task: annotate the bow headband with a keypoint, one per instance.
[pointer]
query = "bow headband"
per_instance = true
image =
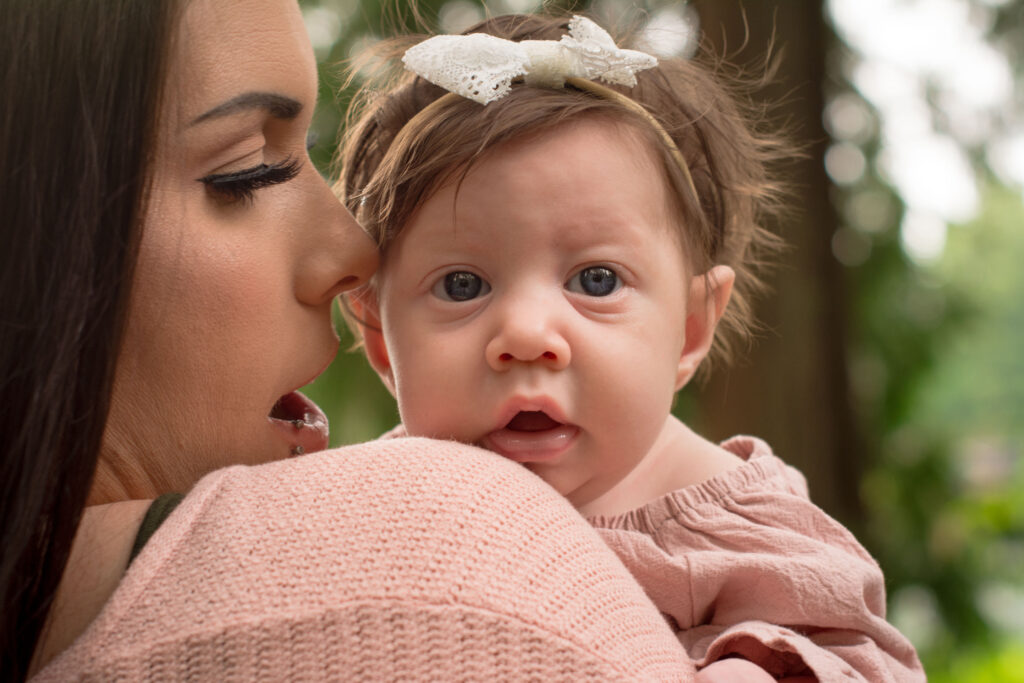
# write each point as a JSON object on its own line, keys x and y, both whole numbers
{"x": 481, "y": 67}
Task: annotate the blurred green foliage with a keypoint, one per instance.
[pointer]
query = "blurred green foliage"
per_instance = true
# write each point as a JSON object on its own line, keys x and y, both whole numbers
{"x": 1002, "y": 664}
{"x": 936, "y": 368}
{"x": 945, "y": 495}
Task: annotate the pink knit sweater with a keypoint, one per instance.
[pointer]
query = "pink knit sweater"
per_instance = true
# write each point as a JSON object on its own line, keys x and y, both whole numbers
{"x": 407, "y": 559}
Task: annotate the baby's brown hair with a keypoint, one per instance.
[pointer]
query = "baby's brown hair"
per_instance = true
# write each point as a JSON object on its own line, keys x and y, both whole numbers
{"x": 389, "y": 168}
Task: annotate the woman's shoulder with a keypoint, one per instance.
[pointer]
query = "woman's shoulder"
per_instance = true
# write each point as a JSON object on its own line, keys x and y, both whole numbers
{"x": 381, "y": 557}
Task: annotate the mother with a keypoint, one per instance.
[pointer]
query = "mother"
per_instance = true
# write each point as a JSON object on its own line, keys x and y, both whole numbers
{"x": 170, "y": 258}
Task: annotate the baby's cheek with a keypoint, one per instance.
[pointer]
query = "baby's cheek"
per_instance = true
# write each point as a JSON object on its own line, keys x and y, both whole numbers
{"x": 432, "y": 406}
{"x": 436, "y": 423}
{"x": 638, "y": 395}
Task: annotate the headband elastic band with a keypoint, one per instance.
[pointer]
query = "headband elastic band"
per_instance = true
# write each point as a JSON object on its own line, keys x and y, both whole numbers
{"x": 586, "y": 86}
{"x": 636, "y": 108}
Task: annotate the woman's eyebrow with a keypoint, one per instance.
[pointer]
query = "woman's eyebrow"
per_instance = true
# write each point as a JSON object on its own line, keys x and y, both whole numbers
{"x": 278, "y": 106}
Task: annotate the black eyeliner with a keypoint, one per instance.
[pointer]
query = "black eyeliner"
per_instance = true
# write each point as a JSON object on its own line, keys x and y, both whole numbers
{"x": 240, "y": 185}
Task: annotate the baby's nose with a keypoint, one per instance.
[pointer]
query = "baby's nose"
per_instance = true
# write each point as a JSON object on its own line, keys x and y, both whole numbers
{"x": 528, "y": 338}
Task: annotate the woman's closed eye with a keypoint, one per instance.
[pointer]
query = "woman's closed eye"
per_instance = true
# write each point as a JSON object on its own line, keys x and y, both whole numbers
{"x": 594, "y": 281}
{"x": 460, "y": 285}
{"x": 242, "y": 185}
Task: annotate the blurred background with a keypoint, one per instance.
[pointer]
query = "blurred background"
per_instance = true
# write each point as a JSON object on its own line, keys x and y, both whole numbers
{"x": 890, "y": 369}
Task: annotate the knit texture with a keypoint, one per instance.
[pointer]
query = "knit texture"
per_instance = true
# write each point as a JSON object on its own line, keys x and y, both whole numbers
{"x": 406, "y": 559}
{"x": 745, "y": 564}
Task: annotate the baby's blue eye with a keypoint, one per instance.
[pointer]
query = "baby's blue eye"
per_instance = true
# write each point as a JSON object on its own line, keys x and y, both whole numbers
{"x": 594, "y": 281}
{"x": 460, "y": 286}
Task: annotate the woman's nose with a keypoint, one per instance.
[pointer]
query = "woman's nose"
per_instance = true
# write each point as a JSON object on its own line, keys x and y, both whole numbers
{"x": 340, "y": 255}
{"x": 528, "y": 334}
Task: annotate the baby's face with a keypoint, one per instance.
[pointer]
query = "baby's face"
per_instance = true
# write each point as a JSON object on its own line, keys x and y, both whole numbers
{"x": 541, "y": 312}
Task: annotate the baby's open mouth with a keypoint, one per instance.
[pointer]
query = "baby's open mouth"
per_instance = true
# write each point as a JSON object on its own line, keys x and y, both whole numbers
{"x": 531, "y": 436}
{"x": 531, "y": 421}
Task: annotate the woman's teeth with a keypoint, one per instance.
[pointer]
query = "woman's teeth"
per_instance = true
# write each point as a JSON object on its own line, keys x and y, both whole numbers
{"x": 303, "y": 423}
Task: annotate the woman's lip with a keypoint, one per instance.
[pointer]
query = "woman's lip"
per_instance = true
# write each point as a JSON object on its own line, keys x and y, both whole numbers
{"x": 538, "y": 446}
{"x": 305, "y": 426}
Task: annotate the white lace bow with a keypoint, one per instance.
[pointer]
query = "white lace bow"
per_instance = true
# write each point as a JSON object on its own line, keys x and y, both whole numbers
{"x": 481, "y": 67}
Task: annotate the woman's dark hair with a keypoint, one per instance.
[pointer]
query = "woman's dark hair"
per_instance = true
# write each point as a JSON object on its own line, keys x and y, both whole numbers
{"x": 81, "y": 84}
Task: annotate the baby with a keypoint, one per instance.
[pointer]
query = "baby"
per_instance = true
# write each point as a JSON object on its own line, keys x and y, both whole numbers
{"x": 557, "y": 259}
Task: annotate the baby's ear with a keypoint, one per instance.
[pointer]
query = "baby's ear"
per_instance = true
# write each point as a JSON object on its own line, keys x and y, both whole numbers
{"x": 709, "y": 295}
{"x": 366, "y": 310}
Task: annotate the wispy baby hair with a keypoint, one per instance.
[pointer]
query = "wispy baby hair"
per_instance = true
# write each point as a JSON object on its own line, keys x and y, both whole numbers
{"x": 390, "y": 168}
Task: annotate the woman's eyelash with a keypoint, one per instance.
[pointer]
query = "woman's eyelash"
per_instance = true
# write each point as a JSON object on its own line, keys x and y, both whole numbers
{"x": 241, "y": 185}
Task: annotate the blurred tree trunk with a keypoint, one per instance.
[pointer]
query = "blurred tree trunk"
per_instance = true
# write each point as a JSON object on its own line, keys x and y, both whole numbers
{"x": 792, "y": 389}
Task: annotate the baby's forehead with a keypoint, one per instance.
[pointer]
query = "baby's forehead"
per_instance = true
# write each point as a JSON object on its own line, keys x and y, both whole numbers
{"x": 594, "y": 172}
{"x": 620, "y": 141}
{"x": 547, "y": 200}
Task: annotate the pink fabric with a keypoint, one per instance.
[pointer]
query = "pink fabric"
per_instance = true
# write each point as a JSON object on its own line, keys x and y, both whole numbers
{"x": 745, "y": 564}
{"x": 408, "y": 559}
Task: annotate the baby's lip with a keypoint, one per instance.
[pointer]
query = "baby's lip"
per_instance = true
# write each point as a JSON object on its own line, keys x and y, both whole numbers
{"x": 535, "y": 404}
{"x": 536, "y": 432}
